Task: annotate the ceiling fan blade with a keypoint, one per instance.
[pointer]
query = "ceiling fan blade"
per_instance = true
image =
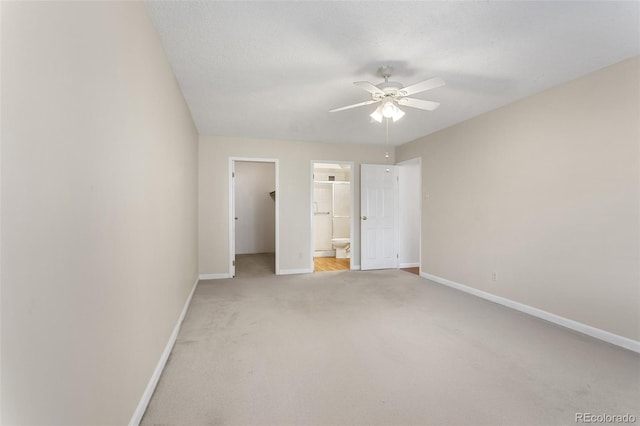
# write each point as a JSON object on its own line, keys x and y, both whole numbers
{"x": 432, "y": 83}
{"x": 419, "y": 103}
{"x": 369, "y": 87}
{"x": 354, "y": 105}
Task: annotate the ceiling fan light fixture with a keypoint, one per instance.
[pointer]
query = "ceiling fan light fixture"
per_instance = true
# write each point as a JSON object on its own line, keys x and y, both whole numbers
{"x": 398, "y": 115}
{"x": 389, "y": 109}
{"x": 377, "y": 114}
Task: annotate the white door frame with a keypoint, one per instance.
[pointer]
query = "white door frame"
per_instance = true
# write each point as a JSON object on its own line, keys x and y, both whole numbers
{"x": 351, "y": 210}
{"x": 419, "y": 183}
{"x": 232, "y": 235}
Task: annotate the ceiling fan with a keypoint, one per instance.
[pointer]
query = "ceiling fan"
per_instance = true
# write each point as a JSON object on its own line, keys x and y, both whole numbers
{"x": 391, "y": 94}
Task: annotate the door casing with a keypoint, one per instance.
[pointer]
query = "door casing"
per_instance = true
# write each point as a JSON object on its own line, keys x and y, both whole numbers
{"x": 352, "y": 210}
{"x": 232, "y": 227}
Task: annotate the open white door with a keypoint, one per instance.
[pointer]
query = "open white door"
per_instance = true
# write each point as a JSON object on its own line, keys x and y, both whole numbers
{"x": 379, "y": 216}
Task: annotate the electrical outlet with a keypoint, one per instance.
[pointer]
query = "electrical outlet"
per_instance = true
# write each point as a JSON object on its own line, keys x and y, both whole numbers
{"x": 494, "y": 276}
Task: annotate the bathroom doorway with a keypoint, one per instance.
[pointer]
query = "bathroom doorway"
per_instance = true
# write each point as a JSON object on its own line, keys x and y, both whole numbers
{"x": 331, "y": 215}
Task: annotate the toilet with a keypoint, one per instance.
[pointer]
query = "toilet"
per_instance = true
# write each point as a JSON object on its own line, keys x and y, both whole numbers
{"x": 342, "y": 246}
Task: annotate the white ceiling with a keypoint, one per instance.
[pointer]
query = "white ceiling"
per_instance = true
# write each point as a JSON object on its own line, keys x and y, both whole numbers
{"x": 273, "y": 70}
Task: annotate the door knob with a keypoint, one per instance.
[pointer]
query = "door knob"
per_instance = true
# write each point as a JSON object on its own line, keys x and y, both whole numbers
{"x": 235, "y": 218}
{"x": 364, "y": 218}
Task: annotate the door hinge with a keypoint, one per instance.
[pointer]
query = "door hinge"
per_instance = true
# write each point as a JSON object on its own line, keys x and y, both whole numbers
{"x": 397, "y": 256}
{"x": 233, "y": 262}
{"x": 233, "y": 174}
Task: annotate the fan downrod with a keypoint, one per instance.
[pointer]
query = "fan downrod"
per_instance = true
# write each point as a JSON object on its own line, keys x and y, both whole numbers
{"x": 385, "y": 71}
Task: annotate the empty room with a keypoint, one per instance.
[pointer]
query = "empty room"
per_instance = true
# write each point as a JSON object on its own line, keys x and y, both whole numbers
{"x": 319, "y": 212}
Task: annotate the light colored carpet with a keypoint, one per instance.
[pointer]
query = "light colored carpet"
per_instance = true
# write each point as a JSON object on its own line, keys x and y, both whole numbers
{"x": 378, "y": 348}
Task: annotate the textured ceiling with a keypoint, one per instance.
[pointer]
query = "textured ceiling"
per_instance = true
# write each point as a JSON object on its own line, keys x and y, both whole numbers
{"x": 273, "y": 70}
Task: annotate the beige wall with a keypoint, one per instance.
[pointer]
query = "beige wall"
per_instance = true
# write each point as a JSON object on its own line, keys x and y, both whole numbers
{"x": 294, "y": 195}
{"x": 99, "y": 209}
{"x": 545, "y": 193}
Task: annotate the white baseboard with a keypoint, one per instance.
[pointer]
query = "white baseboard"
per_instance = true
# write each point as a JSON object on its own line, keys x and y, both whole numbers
{"x": 151, "y": 386}
{"x": 324, "y": 253}
{"x": 614, "y": 339}
{"x": 355, "y": 267}
{"x": 410, "y": 265}
{"x": 295, "y": 271}
{"x": 214, "y": 276}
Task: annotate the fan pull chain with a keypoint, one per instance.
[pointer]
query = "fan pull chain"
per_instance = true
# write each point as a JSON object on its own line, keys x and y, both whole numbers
{"x": 386, "y": 154}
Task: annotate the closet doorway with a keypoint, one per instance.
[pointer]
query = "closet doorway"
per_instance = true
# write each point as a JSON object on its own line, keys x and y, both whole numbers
{"x": 331, "y": 215}
{"x": 254, "y": 216}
